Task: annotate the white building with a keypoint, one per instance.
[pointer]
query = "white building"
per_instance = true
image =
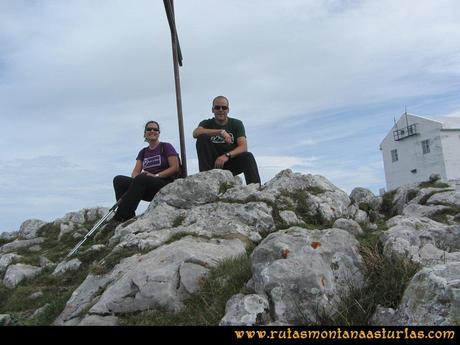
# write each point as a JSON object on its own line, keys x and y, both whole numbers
{"x": 417, "y": 147}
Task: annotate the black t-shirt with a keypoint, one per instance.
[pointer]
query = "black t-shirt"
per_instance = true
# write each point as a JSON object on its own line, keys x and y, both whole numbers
{"x": 233, "y": 127}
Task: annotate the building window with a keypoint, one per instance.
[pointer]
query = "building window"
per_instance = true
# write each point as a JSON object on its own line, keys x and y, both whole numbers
{"x": 394, "y": 155}
{"x": 426, "y": 146}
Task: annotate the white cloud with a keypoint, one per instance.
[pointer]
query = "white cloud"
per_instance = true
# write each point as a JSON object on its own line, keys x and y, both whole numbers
{"x": 78, "y": 80}
{"x": 455, "y": 114}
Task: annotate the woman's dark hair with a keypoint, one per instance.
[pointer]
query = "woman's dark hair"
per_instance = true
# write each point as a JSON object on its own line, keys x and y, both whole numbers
{"x": 145, "y": 127}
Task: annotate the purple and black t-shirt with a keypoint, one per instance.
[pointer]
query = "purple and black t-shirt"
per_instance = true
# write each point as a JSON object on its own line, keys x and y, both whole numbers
{"x": 155, "y": 161}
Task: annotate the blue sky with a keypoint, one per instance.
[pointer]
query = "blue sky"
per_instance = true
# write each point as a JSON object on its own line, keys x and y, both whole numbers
{"x": 317, "y": 84}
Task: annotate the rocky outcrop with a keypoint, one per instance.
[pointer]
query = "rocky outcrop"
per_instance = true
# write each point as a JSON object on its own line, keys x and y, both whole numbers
{"x": 7, "y": 259}
{"x": 422, "y": 240}
{"x": 302, "y": 232}
{"x": 19, "y": 272}
{"x": 19, "y": 244}
{"x": 165, "y": 276}
{"x": 246, "y": 310}
{"x": 304, "y": 272}
{"x": 432, "y": 296}
{"x": 161, "y": 278}
{"x": 67, "y": 266}
{"x": 29, "y": 228}
{"x": 365, "y": 198}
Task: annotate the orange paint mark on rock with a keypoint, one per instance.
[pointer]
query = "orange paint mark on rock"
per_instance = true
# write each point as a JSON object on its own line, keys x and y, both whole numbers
{"x": 285, "y": 253}
{"x": 315, "y": 244}
{"x": 322, "y": 282}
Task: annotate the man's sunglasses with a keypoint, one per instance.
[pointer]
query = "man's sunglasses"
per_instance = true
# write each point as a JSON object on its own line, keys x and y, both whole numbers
{"x": 152, "y": 129}
{"x": 220, "y": 107}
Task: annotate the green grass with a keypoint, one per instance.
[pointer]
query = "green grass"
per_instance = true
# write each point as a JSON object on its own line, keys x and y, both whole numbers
{"x": 279, "y": 223}
{"x": 28, "y": 257}
{"x": 224, "y": 187}
{"x": 88, "y": 257}
{"x": 53, "y": 248}
{"x": 441, "y": 216}
{"x": 411, "y": 194}
{"x": 424, "y": 199}
{"x": 298, "y": 203}
{"x": 5, "y": 241}
{"x": 207, "y": 307}
{"x": 303, "y": 209}
{"x": 56, "y": 292}
{"x": 177, "y": 236}
{"x": 436, "y": 184}
{"x": 364, "y": 206}
{"x": 178, "y": 221}
{"x": 315, "y": 190}
{"x": 386, "y": 280}
{"x": 387, "y": 204}
{"x": 106, "y": 264}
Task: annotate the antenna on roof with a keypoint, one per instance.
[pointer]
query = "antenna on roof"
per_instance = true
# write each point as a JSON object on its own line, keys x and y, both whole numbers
{"x": 405, "y": 113}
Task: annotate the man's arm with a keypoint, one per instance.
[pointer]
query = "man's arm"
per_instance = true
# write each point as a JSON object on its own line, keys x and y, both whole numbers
{"x": 201, "y": 130}
{"x": 242, "y": 146}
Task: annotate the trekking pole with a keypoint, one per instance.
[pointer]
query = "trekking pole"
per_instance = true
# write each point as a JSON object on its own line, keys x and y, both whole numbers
{"x": 95, "y": 227}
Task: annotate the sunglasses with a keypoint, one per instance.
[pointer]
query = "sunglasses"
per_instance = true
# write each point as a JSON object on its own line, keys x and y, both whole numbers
{"x": 220, "y": 107}
{"x": 152, "y": 129}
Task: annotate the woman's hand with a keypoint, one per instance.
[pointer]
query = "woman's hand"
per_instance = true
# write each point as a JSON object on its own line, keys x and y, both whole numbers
{"x": 150, "y": 174}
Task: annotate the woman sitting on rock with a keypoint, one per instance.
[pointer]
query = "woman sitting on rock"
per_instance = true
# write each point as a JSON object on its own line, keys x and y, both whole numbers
{"x": 156, "y": 166}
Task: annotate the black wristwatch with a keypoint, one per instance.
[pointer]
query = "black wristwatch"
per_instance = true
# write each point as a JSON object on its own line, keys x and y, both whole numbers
{"x": 229, "y": 155}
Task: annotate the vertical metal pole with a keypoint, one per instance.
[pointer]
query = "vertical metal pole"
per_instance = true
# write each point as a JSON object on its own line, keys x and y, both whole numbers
{"x": 175, "y": 50}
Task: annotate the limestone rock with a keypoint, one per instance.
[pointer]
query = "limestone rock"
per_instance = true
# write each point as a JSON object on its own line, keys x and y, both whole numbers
{"x": 66, "y": 266}
{"x": 432, "y": 297}
{"x": 383, "y": 317}
{"x": 451, "y": 198}
{"x": 364, "y": 196}
{"x": 348, "y": 225}
{"x": 154, "y": 280}
{"x": 421, "y": 240}
{"x": 19, "y": 272}
{"x": 5, "y": 319}
{"x": 306, "y": 270}
{"x": 97, "y": 320}
{"x": 290, "y": 218}
{"x": 18, "y": 244}
{"x": 7, "y": 259}
{"x": 29, "y": 228}
{"x": 198, "y": 189}
{"x": 246, "y": 310}
{"x": 82, "y": 298}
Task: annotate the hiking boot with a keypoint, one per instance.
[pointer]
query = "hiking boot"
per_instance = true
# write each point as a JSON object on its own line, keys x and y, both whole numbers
{"x": 111, "y": 225}
{"x": 107, "y": 228}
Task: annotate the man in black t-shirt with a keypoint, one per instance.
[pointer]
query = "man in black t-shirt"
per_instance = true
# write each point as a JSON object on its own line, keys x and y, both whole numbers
{"x": 221, "y": 143}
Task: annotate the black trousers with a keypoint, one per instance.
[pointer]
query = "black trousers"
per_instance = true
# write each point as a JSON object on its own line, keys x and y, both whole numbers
{"x": 243, "y": 163}
{"x": 142, "y": 187}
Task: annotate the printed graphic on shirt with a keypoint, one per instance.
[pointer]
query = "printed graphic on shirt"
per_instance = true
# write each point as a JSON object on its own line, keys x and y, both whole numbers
{"x": 217, "y": 139}
{"x": 152, "y": 162}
